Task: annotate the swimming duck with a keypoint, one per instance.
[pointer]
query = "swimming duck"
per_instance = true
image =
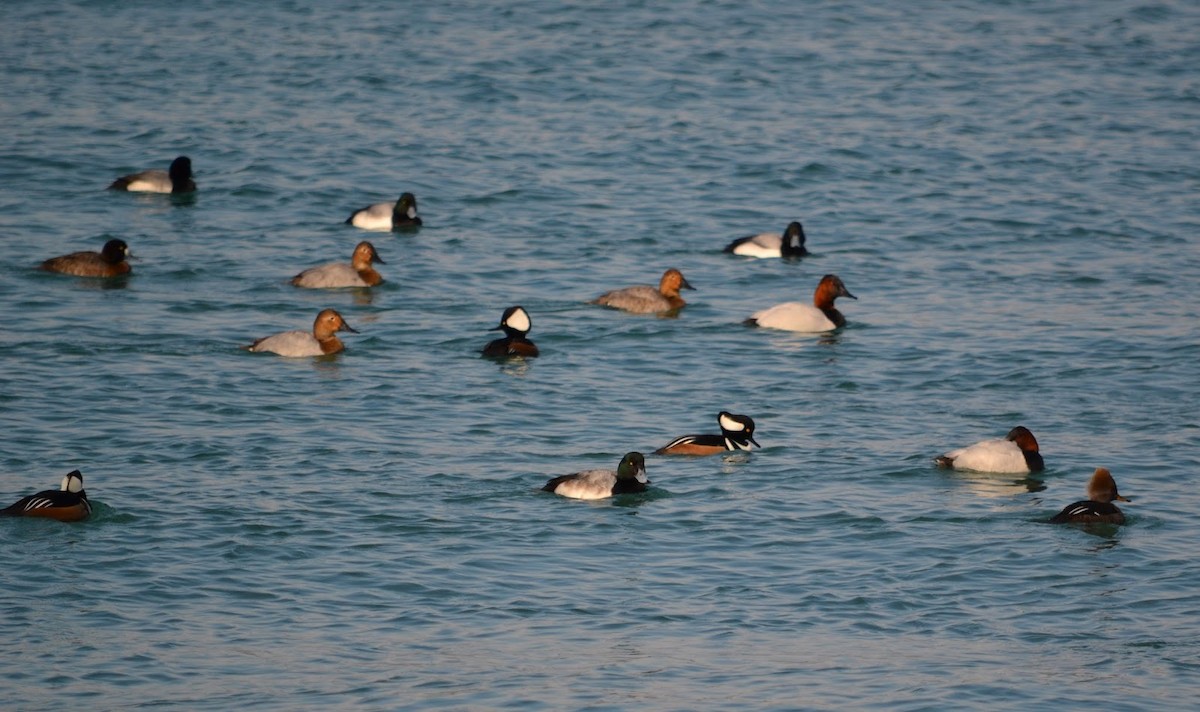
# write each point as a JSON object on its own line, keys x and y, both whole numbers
{"x": 644, "y": 299}
{"x": 737, "y": 433}
{"x": 1098, "y": 508}
{"x": 68, "y": 503}
{"x": 515, "y": 325}
{"x": 821, "y": 315}
{"x": 1016, "y": 452}
{"x": 321, "y": 342}
{"x": 359, "y": 273}
{"x": 108, "y": 262}
{"x": 387, "y": 216}
{"x": 176, "y": 179}
{"x": 771, "y": 244}
{"x": 598, "y": 484}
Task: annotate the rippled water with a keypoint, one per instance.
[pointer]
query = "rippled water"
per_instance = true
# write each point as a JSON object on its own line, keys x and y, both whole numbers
{"x": 1009, "y": 189}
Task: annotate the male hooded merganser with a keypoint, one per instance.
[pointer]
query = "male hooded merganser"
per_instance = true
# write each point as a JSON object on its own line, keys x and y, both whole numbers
{"x": 821, "y": 315}
{"x": 335, "y": 275}
{"x": 1017, "y": 452}
{"x": 1098, "y": 508}
{"x": 68, "y": 503}
{"x": 737, "y": 433}
{"x": 110, "y": 261}
{"x": 515, "y": 324}
{"x": 630, "y": 476}
{"x": 176, "y": 179}
{"x": 771, "y": 244}
{"x": 644, "y": 299}
{"x": 387, "y": 216}
{"x": 320, "y": 342}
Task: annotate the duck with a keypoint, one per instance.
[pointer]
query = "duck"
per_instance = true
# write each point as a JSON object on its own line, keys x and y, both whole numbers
{"x": 1098, "y": 508}
{"x": 1016, "y": 452}
{"x": 790, "y": 244}
{"x": 630, "y": 476}
{"x": 515, "y": 325}
{"x": 297, "y": 344}
{"x": 176, "y": 179}
{"x": 821, "y": 315}
{"x": 644, "y": 299}
{"x": 68, "y": 503}
{"x": 335, "y": 275}
{"x": 737, "y": 433}
{"x": 110, "y": 261}
{"x": 387, "y": 216}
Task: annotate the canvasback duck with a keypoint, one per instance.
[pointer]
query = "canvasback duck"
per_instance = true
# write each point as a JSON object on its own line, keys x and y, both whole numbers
{"x": 176, "y": 179}
{"x": 630, "y": 476}
{"x": 322, "y": 341}
{"x": 68, "y": 503}
{"x": 387, "y": 216}
{"x": 1016, "y": 452}
{"x": 515, "y": 324}
{"x": 1098, "y": 508}
{"x": 335, "y": 275}
{"x": 737, "y": 433}
{"x": 110, "y": 261}
{"x": 771, "y": 244}
{"x": 821, "y": 315}
{"x": 644, "y": 299}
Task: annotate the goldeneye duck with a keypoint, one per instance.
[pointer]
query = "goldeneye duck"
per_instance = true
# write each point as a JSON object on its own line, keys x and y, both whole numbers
{"x": 387, "y": 216}
{"x": 1098, "y": 508}
{"x": 629, "y": 477}
{"x": 68, "y": 503}
{"x": 821, "y": 315}
{"x": 296, "y": 344}
{"x": 110, "y": 261}
{"x": 335, "y": 275}
{"x": 644, "y": 299}
{"x": 515, "y": 324}
{"x": 770, "y": 244}
{"x": 1017, "y": 452}
{"x": 176, "y": 179}
{"x": 737, "y": 433}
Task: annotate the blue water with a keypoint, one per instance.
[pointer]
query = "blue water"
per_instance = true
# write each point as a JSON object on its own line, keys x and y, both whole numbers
{"x": 1009, "y": 188}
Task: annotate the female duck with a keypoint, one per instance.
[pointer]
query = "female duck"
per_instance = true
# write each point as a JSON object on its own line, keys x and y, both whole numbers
{"x": 1098, "y": 508}
{"x": 176, "y": 179}
{"x": 295, "y": 344}
{"x": 108, "y": 262}
{"x": 515, "y": 325}
{"x": 387, "y": 216}
{"x": 1017, "y": 452}
{"x": 598, "y": 484}
{"x": 359, "y": 273}
{"x": 737, "y": 433}
{"x": 644, "y": 299}
{"x": 68, "y": 503}
{"x": 770, "y": 244}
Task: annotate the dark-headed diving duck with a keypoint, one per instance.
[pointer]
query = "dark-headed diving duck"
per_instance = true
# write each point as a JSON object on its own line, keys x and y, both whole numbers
{"x": 737, "y": 433}
{"x": 1098, "y": 508}
{"x": 68, "y": 503}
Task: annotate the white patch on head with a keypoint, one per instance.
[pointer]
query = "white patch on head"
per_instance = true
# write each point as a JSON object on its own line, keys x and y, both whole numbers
{"x": 75, "y": 484}
{"x": 641, "y": 477}
{"x": 66, "y": 483}
{"x": 518, "y": 320}
{"x": 730, "y": 424}
{"x": 412, "y": 212}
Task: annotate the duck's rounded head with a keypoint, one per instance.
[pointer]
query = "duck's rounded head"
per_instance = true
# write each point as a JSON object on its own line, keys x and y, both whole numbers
{"x": 740, "y": 427}
{"x": 672, "y": 281}
{"x": 72, "y": 482}
{"x": 1023, "y": 439}
{"x": 514, "y": 322}
{"x": 793, "y": 240}
{"x": 180, "y": 170}
{"x": 328, "y": 322}
{"x": 114, "y": 251}
{"x": 633, "y": 467}
{"x": 1103, "y": 488}
{"x": 829, "y": 288}
{"x": 405, "y": 212}
{"x": 364, "y": 255}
